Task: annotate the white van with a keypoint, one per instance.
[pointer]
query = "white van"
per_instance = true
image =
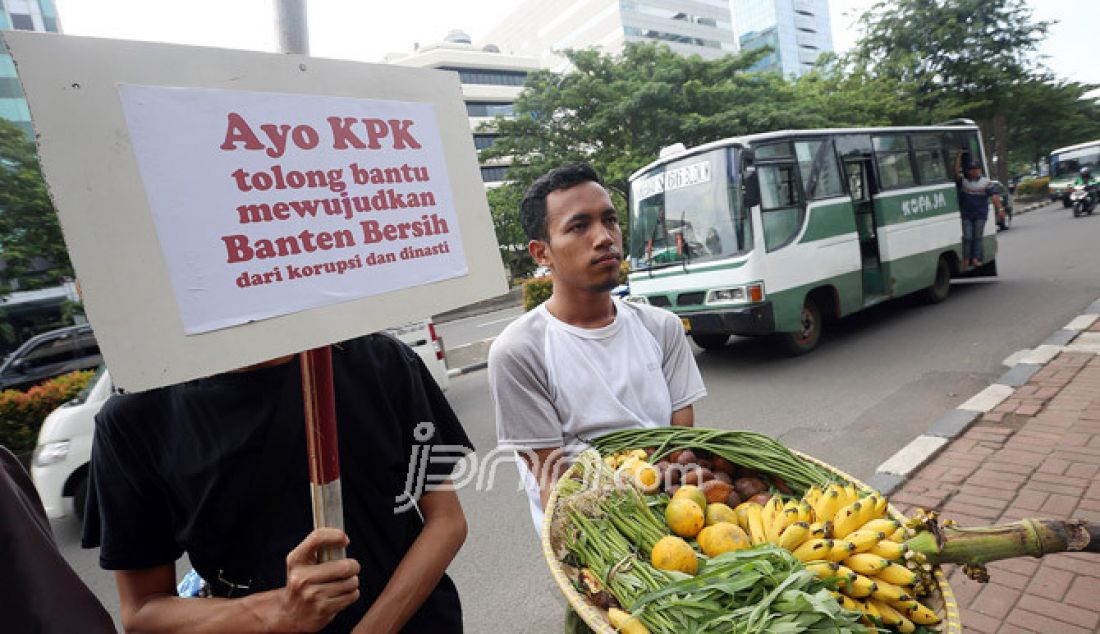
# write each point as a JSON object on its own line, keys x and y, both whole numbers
{"x": 59, "y": 467}
{"x": 60, "y": 463}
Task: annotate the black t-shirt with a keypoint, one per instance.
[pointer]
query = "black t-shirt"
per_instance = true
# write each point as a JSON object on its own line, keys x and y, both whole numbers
{"x": 192, "y": 467}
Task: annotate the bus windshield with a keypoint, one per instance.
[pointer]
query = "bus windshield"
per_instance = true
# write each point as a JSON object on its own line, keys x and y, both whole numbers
{"x": 1070, "y": 162}
{"x": 688, "y": 210}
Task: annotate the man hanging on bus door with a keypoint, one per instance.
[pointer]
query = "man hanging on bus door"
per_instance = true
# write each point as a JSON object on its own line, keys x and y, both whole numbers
{"x": 975, "y": 192}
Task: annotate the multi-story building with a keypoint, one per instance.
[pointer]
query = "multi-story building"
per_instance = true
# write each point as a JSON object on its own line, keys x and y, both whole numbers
{"x": 545, "y": 28}
{"x": 27, "y": 312}
{"x": 24, "y": 15}
{"x": 491, "y": 81}
{"x": 798, "y": 32}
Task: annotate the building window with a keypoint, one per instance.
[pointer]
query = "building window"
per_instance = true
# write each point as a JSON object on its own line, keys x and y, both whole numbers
{"x": 50, "y": 24}
{"x": 489, "y": 77}
{"x": 494, "y": 174}
{"x": 22, "y": 22}
{"x": 488, "y": 108}
{"x": 483, "y": 141}
{"x": 9, "y": 87}
{"x": 670, "y": 37}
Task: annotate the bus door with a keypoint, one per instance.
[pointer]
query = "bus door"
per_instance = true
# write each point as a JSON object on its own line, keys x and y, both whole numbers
{"x": 860, "y": 177}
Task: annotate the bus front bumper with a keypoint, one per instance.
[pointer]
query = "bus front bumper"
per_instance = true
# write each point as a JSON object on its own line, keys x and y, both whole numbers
{"x": 750, "y": 320}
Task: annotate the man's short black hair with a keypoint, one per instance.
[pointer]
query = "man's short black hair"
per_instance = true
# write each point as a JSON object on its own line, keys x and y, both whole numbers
{"x": 532, "y": 209}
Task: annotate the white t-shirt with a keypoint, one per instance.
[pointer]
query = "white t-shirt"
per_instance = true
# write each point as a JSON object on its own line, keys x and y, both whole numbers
{"x": 557, "y": 385}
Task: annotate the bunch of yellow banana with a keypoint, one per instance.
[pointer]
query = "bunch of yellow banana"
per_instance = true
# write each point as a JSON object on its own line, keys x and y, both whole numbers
{"x": 616, "y": 460}
{"x": 844, "y": 533}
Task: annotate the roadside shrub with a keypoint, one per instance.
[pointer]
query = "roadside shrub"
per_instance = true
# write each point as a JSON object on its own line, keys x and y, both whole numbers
{"x": 624, "y": 270}
{"x": 537, "y": 291}
{"x": 1033, "y": 187}
{"x": 22, "y": 413}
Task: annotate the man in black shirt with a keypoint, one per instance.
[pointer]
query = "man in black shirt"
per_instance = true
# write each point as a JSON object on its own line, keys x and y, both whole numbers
{"x": 217, "y": 468}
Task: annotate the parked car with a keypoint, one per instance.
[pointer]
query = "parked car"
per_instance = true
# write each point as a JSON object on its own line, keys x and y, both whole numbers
{"x": 50, "y": 354}
{"x": 59, "y": 467}
{"x": 1006, "y": 200}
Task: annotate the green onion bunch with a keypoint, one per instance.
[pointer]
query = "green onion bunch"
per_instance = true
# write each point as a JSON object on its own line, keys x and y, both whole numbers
{"x": 745, "y": 449}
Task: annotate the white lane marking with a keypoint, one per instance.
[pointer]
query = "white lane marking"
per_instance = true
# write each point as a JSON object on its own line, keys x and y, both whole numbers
{"x": 497, "y": 321}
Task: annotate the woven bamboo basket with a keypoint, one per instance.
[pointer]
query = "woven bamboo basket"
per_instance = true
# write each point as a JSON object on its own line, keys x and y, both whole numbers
{"x": 942, "y": 599}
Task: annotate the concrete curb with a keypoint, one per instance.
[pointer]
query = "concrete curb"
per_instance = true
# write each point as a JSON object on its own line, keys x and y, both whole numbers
{"x": 473, "y": 367}
{"x": 897, "y": 469}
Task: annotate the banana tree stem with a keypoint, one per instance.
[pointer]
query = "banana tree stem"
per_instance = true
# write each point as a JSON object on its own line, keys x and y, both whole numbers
{"x": 1032, "y": 537}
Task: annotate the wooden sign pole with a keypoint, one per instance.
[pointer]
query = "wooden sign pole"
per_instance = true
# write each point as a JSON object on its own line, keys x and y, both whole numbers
{"x": 322, "y": 443}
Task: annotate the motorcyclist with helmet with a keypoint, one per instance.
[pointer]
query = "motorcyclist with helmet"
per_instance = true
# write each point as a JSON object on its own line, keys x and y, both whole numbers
{"x": 1085, "y": 179}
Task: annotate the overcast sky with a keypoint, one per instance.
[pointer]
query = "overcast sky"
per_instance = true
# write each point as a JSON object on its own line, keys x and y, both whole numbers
{"x": 365, "y": 30}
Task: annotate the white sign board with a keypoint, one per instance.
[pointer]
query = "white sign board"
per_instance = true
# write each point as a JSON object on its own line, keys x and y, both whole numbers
{"x": 223, "y": 208}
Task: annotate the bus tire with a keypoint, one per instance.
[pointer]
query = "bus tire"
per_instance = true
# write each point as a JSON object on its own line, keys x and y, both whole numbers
{"x": 710, "y": 342}
{"x": 806, "y": 339}
{"x": 941, "y": 285}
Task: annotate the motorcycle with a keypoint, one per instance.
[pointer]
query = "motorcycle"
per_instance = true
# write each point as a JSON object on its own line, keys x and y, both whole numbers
{"x": 1083, "y": 199}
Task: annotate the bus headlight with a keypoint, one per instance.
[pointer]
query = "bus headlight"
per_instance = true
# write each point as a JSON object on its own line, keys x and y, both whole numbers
{"x": 50, "y": 453}
{"x": 748, "y": 294}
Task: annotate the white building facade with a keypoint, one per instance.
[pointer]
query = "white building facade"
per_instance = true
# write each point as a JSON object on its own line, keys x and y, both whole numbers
{"x": 545, "y": 28}
{"x": 490, "y": 80}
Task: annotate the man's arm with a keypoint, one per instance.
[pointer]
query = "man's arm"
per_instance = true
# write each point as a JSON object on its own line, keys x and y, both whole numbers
{"x": 422, "y": 566}
{"x": 958, "y": 165}
{"x": 546, "y": 465}
{"x": 314, "y": 594}
{"x": 684, "y": 417}
{"x": 998, "y": 204}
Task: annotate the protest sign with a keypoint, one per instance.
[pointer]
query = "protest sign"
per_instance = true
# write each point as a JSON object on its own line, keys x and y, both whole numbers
{"x": 222, "y": 208}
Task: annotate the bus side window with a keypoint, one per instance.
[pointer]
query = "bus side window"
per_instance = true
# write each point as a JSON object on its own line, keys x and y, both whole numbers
{"x": 930, "y": 159}
{"x": 976, "y": 151}
{"x": 779, "y": 204}
{"x": 892, "y": 158}
{"x": 817, "y": 163}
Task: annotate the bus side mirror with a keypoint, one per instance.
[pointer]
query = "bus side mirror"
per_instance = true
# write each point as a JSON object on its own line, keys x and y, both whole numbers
{"x": 750, "y": 188}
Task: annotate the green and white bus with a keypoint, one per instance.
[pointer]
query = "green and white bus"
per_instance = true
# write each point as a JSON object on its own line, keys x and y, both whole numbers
{"x": 1065, "y": 167}
{"x": 771, "y": 233}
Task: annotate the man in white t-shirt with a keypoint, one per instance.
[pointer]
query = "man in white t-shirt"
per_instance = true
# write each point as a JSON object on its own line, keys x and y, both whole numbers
{"x": 583, "y": 363}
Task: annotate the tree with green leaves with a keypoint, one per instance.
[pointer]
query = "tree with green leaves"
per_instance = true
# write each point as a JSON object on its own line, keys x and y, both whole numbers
{"x": 970, "y": 50}
{"x": 954, "y": 57}
{"x": 617, "y": 112}
{"x": 1046, "y": 114}
{"x": 31, "y": 246}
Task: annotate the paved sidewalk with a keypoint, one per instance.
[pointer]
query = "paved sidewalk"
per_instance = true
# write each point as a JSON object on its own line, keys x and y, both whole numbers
{"x": 1036, "y": 454}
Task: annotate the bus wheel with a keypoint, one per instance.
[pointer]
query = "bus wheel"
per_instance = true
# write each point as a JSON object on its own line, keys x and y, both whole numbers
{"x": 710, "y": 342}
{"x": 809, "y": 333}
{"x": 941, "y": 287}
